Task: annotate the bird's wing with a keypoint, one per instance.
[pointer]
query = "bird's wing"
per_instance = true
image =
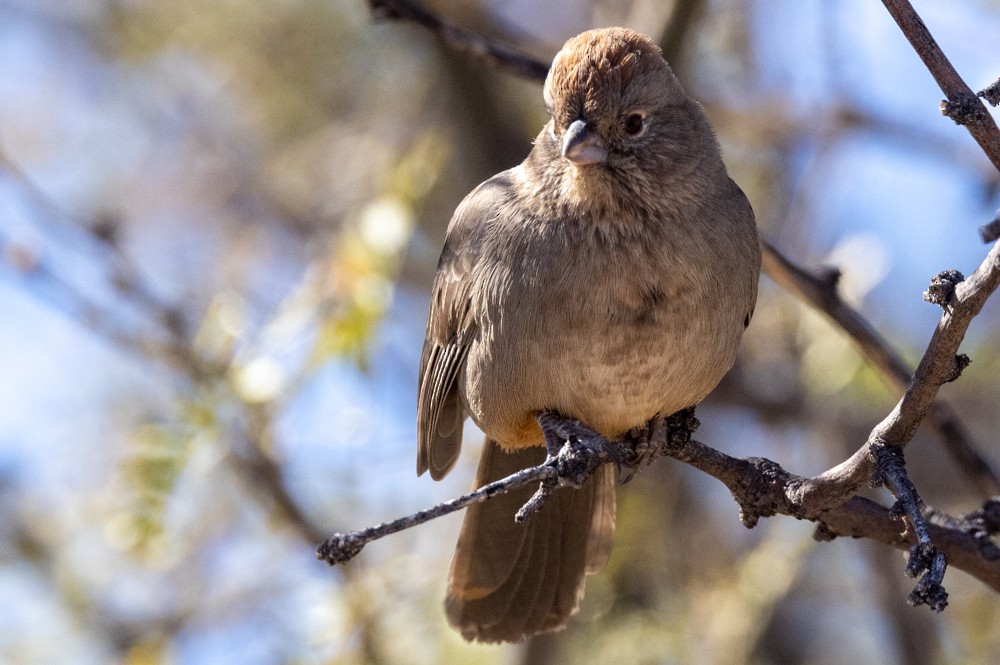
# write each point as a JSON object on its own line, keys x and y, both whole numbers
{"x": 451, "y": 328}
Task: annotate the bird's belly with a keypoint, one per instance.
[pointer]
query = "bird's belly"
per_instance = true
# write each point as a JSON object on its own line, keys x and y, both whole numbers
{"x": 622, "y": 380}
{"x": 611, "y": 375}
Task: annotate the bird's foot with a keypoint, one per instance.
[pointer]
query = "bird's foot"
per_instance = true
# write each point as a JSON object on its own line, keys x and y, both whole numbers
{"x": 576, "y": 449}
{"x": 662, "y": 434}
{"x": 645, "y": 446}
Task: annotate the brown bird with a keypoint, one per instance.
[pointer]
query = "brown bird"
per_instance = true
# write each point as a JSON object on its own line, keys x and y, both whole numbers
{"x": 608, "y": 278}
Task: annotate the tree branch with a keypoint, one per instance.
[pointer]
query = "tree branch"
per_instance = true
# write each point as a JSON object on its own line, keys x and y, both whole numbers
{"x": 863, "y": 518}
{"x": 761, "y": 488}
{"x": 820, "y": 291}
{"x": 962, "y": 104}
{"x": 937, "y": 367}
{"x": 342, "y": 547}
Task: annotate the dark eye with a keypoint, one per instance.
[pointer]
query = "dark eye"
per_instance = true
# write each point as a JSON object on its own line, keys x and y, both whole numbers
{"x": 633, "y": 124}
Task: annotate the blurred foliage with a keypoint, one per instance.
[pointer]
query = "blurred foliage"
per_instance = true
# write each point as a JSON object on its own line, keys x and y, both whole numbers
{"x": 239, "y": 206}
{"x": 151, "y": 472}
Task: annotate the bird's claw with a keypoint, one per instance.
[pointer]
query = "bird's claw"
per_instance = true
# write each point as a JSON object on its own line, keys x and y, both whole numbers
{"x": 646, "y": 446}
{"x": 574, "y": 451}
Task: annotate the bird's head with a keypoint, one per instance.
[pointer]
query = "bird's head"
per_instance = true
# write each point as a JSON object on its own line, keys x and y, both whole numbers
{"x": 615, "y": 103}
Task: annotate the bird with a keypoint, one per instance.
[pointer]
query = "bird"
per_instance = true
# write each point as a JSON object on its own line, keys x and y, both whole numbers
{"x": 607, "y": 279}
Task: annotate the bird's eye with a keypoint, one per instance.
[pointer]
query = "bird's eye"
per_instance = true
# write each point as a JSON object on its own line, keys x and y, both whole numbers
{"x": 633, "y": 124}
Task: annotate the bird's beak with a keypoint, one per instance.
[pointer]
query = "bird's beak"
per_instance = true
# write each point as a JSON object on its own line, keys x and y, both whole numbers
{"x": 582, "y": 145}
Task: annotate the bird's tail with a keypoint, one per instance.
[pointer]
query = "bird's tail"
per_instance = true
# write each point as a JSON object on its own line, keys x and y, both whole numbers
{"x": 509, "y": 581}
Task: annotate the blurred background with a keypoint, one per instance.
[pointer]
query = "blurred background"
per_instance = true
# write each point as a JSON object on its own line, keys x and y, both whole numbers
{"x": 219, "y": 220}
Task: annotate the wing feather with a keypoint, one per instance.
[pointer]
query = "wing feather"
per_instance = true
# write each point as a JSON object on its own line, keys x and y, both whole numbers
{"x": 452, "y": 328}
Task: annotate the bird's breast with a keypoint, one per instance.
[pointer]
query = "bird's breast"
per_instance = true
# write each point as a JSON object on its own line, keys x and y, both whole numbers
{"x": 609, "y": 332}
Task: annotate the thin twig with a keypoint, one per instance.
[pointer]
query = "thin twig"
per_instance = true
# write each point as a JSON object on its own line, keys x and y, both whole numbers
{"x": 863, "y": 518}
{"x": 962, "y": 104}
{"x": 924, "y": 556}
{"x": 125, "y": 277}
{"x": 990, "y": 231}
{"x": 762, "y": 488}
{"x": 991, "y": 93}
{"x": 342, "y": 547}
{"x": 495, "y": 55}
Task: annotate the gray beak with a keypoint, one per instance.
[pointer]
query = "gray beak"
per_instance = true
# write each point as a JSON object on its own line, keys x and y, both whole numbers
{"x": 582, "y": 145}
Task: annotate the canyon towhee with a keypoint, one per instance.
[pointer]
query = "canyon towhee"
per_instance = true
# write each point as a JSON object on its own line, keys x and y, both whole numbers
{"x": 608, "y": 278}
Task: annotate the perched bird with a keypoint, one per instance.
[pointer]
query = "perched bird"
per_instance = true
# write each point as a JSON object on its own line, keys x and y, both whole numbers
{"x": 608, "y": 278}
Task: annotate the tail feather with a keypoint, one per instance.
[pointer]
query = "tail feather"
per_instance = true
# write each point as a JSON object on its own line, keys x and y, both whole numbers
{"x": 507, "y": 580}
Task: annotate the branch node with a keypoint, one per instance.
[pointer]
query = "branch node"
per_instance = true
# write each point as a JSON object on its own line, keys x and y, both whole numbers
{"x": 929, "y": 590}
{"x": 990, "y": 232}
{"x": 824, "y": 534}
{"x": 537, "y": 500}
{"x": 579, "y": 458}
{"x": 991, "y": 93}
{"x": 890, "y": 472}
{"x": 988, "y": 517}
{"x": 341, "y": 547}
{"x": 961, "y": 362}
{"x": 964, "y": 109}
{"x": 942, "y": 287}
{"x": 757, "y": 490}
{"x": 829, "y": 277}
